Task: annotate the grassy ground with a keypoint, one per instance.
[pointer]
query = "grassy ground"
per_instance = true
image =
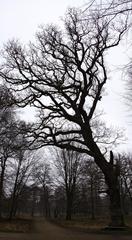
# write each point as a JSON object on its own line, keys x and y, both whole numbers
{"x": 44, "y": 230}
{"x": 86, "y": 224}
{"x": 129, "y": 221}
{"x": 84, "y": 221}
{"x": 83, "y": 224}
{"x": 16, "y": 225}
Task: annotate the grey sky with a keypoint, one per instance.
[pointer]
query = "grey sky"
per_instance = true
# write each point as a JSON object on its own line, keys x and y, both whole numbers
{"x": 21, "y": 18}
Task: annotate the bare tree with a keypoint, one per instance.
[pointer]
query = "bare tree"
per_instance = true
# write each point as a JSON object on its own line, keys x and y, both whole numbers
{"x": 59, "y": 203}
{"x": 21, "y": 169}
{"x": 42, "y": 177}
{"x": 125, "y": 164}
{"x": 7, "y": 135}
{"x": 68, "y": 164}
{"x": 93, "y": 179}
{"x": 110, "y": 7}
{"x": 21, "y": 165}
{"x": 64, "y": 75}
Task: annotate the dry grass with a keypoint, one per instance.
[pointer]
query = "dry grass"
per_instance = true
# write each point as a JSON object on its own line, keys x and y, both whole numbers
{"x": 89, "y": 224}
{"x": 16, "y": 225}
{"x": 129, "y": 221}
{"x": 83, "y": 223}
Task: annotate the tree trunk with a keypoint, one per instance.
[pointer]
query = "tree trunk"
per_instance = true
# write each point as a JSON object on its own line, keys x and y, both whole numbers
{"x": 1, "y": 190}
{"x": 69, "y": 208}
{"x": 33, "y": 204}
{"x": 92, "y": 201}
{"x": 117, "y": 219}
{"x": 46, "y": 207}
{"x": 112, "y": 174}
{"x": 116, "y": 213}
{"x": 14, "y": 195}
{"x": 13, "y": 208}
{"x": 13, "y": 201}
{"x": 3, "y": 166}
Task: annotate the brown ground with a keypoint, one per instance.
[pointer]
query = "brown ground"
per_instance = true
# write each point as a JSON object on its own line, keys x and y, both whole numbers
{"x": 47, "y": 231}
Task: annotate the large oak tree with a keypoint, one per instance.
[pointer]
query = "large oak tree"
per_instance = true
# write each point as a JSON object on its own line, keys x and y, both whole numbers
{"x": 63, "y": 75}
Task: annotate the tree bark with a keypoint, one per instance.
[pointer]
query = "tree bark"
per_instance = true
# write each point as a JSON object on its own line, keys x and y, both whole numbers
{"x": 111, "y": 172}
{"x": 69, "y": 208}
{"x": 13, "y": 207}
{"x": 116, "y": 212}
{"x": 14, "y": 195}
{"x": 117, "y": 219}
{"x": 1, "y": 190}
{"x": 92, "y": 202}
{"x": 3, "y": 166}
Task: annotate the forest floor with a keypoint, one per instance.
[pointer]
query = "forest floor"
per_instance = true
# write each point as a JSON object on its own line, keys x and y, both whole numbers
{"x": 44, "y": 230}
{"x": 20, "y": 225}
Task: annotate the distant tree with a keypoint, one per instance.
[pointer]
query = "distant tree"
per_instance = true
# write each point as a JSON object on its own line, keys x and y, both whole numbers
{"x": 59, "y": 202}
{"x": 64, "y": 75}
{"x": 42, "y": 177}
{"x": 68, "y": 164}
{"x": 92, "y": 179}
{"x": 34, "y": 197}
{"x": 7, "y": 135}
{"x": 21, "y": 166}
{"x": 125, "y": 164}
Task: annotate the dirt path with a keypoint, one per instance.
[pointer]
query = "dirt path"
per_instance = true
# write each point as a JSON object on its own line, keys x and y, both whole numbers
{"x": 48, "y": 231}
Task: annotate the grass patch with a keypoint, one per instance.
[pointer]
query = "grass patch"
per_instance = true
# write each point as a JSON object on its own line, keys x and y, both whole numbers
{"x": 16, "y": 225}
{"x": 85, "y": 222}
{"x": 89, "y": 225}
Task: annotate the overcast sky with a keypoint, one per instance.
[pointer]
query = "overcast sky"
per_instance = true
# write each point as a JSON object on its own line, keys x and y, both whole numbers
{"x": 21, "y": 18}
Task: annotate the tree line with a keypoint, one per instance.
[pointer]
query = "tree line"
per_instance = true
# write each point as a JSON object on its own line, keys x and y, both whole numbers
{"x": 67, "y": 184}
